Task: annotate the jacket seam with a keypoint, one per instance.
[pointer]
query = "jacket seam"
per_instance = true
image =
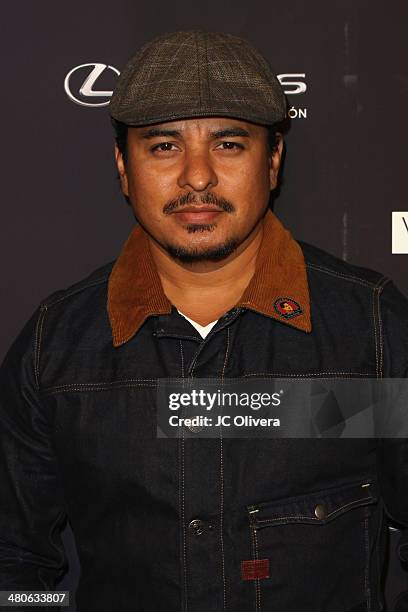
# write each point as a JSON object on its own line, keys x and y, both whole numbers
{"x": 307, "y": 374}
{"x": 257, "y": 581}
{"x": 367, "y": 558}
{"x": 348, "y": 277}
{"x": 381, "y": 339}
{"x": 37, "y": 345}
{"x": 378, "y": 337}
{"x": 181, "y": 456}
{"x": 74, "y": 292}
{"x": 177, "y": 336}
{"x": 152, "y": 382}
{"x": 103, "y": 383}
{"x": 85, "y": 389}
{"x": 227, "y": 354}
{"x": 379, "y": 595}
{"x": 317, "y": 520}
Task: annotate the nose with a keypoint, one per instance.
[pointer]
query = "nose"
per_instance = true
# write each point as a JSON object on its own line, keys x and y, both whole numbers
{"x": 197, "y": 173}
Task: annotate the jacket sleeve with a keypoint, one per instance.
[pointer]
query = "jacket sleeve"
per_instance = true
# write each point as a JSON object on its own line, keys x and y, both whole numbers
{"x": 32, "y": 512}
{"x": 393, "y": 453}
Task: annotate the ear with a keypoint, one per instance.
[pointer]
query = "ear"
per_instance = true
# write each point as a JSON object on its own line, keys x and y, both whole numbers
{"x": 120, "y": 165}
{"x": 275, "y": 162}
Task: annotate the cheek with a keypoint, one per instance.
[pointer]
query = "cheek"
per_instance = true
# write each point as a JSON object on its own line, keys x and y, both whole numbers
{"x": 143, "y": 196}
{"x": 252, "y": 184}
{"x": 148, "y": 187}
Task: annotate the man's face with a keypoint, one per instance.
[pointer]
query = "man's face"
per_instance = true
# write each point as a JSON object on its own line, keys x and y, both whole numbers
{"x": 199, "y": 187}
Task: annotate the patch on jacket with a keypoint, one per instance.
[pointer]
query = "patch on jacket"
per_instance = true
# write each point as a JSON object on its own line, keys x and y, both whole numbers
{"x": 287, "y": 308}
{"x": 255, "y": 569}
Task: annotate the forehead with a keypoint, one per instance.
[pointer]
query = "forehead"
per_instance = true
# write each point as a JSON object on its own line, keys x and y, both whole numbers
{"x": 201, "y": 126}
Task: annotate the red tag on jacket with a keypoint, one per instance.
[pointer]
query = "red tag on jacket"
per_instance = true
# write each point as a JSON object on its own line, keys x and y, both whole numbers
{"x": 255, "y": 569}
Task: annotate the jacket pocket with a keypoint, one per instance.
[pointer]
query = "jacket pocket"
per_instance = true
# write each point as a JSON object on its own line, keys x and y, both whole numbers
{"x": 317, "y": 548}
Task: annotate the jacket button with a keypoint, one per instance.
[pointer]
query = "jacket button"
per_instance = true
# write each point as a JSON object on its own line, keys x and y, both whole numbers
{"x": 320, "y": 511}
{"x": 196, "y": 527}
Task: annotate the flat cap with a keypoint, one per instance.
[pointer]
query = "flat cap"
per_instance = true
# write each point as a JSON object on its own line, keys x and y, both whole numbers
{"x": 197, "y": 74}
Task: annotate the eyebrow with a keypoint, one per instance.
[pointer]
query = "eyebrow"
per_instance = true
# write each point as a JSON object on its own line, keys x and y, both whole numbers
{"x": 233, "y": 131}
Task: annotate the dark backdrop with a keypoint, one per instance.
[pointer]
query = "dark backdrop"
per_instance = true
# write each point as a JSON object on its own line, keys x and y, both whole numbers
{"x": 345, "y": 168}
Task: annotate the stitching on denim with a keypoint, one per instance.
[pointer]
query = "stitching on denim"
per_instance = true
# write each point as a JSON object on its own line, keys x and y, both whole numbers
{"x": 182, "y": 515}
{"x": 182, "y": 494}
{"x": 257, "y": 581}
{"x": 375, "y": 334}
{"x": 75, "y": 389}
{"x": 110, "y": 383}
{"x": 204, "y": 341}
{"x": 382, "y": 282}
{"x": 312, "y": 518}
{"x": 380, "y": 334}
{"x": 380, "y": 338}
{"x": 226, "y": 354}
{"x": 182, "y": 359}
{"x": 144, "y": 382}
{"x": 367, "y": 561}
{"x": 222, "y": 521}
{"x": 377, "y": 550}
{"x": 37, "y": 347}
{"x": 377, "y": 325}
{"x": 100, "y": 386}
{"x": 354, "y": 279}
{"x": 78, "y": 290}
{"x": 222, "y": 482}
{"x": 194, "y": 363}
{"x": 380, "y": 351}
{"x": 173, "y": 335}
{"x": 307, "y": 375}
{"x": 254, "y": 550}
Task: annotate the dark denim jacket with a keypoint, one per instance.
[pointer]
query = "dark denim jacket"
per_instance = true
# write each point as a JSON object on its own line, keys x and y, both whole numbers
{"x": 164, "y": 524}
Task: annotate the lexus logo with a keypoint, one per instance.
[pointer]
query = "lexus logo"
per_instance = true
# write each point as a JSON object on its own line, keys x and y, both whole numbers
{"x": 292, "y": 84}
{"x": 87, "y": 91}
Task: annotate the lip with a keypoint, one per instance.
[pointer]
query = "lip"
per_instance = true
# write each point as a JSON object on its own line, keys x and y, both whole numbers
{"x": 197, "y": 214}
{"x": 197, "y": 209}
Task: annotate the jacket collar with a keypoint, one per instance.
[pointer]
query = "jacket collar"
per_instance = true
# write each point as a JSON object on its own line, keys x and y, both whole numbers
{"x": 278, "y": 286}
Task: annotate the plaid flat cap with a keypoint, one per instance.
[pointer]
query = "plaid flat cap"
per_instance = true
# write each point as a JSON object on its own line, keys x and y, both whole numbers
{"x": 197, "y": 74}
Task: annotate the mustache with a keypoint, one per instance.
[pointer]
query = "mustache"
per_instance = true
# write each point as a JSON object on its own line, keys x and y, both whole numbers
{"x": 190, "y": 198}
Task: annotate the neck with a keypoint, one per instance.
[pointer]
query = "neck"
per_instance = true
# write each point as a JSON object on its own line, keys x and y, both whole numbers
{"x": 206, "y": 290}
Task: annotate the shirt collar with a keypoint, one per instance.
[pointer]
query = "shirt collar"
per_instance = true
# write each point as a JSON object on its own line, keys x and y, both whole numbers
{"x": 278, "y": 288}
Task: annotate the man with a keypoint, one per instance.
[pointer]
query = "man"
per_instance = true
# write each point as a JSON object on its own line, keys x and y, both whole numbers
{"x": 208, "y": 285}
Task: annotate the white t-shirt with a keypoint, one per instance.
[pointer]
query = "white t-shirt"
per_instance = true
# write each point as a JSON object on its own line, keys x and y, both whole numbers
{"x": 203, "y": 330}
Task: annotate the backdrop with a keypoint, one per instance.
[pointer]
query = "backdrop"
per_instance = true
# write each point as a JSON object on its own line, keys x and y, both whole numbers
{"x": 342, "y": 64}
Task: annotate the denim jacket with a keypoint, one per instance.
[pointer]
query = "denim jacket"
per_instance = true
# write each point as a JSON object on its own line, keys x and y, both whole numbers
{"x": 166, "y": 525}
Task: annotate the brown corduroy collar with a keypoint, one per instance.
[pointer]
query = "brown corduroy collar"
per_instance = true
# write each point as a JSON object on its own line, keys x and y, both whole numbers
{"x": 278, "y": 288}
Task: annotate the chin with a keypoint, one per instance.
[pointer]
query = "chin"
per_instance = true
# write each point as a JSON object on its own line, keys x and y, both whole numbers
{"x": 196, "y": 254}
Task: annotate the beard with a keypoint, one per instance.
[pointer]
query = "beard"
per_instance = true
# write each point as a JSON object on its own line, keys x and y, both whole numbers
{"x": 189, "y": 255}
{"x": 196, "y": 255}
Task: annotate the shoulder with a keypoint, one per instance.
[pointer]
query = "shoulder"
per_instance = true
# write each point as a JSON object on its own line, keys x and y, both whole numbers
{"x": 59, "y": 320}
{"x": 77, "y": 315}
{"x": 82, "y": 290}
{"x": 367, "y": 291}
{"x": 324, "y": 265}
{"x": 79, "y": 298}
{"x": 324, "y": 268}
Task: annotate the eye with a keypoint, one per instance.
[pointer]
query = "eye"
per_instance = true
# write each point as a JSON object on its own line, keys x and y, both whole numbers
{"x": 163, "y": 147}
{"x": 229, "y": 145}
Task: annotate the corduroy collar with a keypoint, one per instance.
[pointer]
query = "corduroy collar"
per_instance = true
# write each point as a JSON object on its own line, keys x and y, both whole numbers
{"x": 135, "y": 291}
